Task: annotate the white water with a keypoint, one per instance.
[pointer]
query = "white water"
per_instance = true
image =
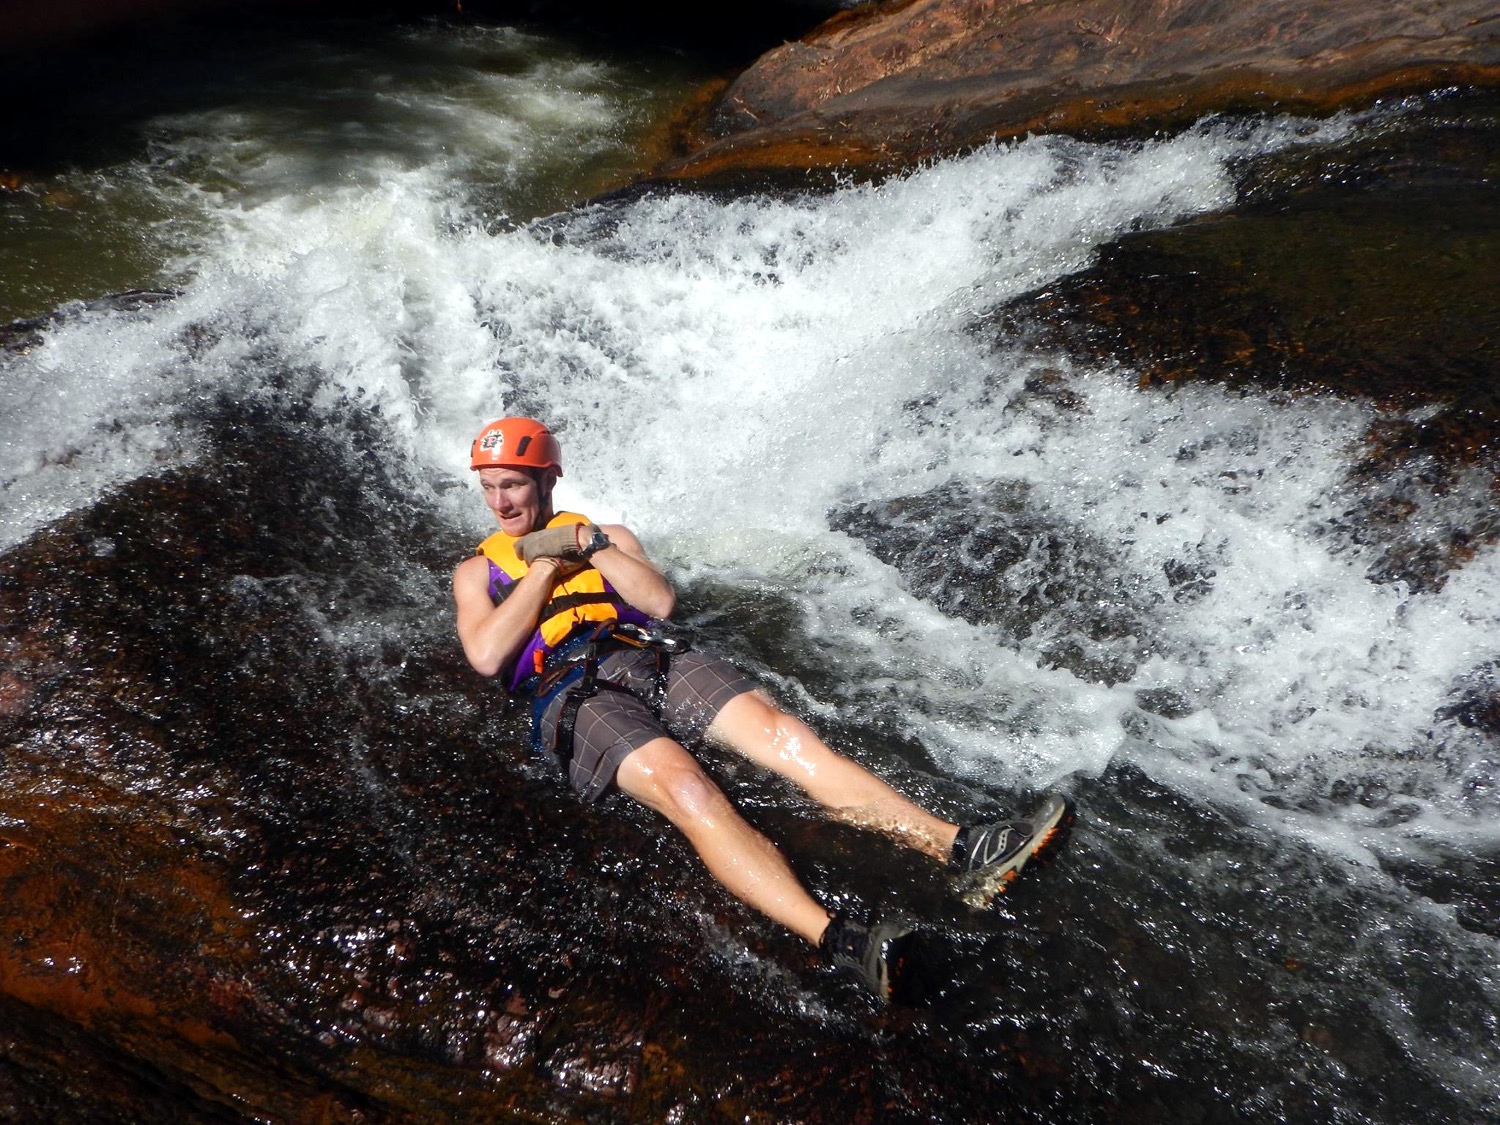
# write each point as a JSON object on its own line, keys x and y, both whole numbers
{"x": 728, "y": 374}
{"x": 322, "y": 193}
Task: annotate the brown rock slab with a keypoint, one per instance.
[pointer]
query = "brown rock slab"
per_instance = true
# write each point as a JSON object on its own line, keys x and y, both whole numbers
{"x": 238, "y": 885}
{"x": 911, "y": 79}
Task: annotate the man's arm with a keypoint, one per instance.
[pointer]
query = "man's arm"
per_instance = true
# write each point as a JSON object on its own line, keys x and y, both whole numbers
{"x": 636, "y": 578}
{"x": 493, "y": 635}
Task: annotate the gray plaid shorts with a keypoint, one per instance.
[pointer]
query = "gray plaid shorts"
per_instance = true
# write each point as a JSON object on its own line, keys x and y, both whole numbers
{"x": 614, "y": 723}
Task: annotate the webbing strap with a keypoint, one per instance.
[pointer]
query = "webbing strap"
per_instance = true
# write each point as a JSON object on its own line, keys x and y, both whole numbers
{"x": 588, "y": 686}
{"x": 567, "y": 718}
{"x": 578, "y": 678}
{"x": 558, "y": 606}
{"x": 659, "y": 689}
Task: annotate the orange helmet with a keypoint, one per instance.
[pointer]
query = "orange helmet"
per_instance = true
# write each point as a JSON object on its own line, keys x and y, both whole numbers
{"x": 516, "y": 443}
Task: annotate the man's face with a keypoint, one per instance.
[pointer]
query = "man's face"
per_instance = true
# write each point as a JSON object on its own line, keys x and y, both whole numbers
{"x": 515, "y": 498}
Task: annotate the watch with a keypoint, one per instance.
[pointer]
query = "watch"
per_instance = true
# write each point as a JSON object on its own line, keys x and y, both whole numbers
{"x": 597, "y": 542}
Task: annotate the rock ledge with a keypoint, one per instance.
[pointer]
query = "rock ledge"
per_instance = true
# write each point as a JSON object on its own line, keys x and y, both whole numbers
{"x": 907, "y": 80}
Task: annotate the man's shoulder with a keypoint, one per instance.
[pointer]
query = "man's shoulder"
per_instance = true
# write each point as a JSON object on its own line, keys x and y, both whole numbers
{"x": 472, "y": 568}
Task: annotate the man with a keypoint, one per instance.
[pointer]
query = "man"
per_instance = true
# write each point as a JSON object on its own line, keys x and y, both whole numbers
{"x": 562, "y": 609}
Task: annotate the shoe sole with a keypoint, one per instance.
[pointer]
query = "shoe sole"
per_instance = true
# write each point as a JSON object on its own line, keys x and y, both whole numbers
{"x": 895, "y": 958}
{"x": 1046, "y": 845}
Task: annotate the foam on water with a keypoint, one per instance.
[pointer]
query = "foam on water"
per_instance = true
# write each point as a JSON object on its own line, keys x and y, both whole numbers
{"x": 308, "y": 215}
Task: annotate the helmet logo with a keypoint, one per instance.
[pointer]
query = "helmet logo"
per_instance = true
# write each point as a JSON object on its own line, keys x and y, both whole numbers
{"x": 492, "y": 442}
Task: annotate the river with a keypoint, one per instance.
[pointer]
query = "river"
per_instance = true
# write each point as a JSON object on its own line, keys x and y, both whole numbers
{"x": 983, "y": 564}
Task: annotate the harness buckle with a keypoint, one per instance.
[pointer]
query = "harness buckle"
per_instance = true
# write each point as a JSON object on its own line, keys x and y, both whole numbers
{"x": 642, "y": 636}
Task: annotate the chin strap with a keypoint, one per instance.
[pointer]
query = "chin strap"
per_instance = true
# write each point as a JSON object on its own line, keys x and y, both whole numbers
{"x": 544, "y": 489}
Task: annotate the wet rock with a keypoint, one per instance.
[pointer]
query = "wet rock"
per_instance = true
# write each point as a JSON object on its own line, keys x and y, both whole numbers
{"x": 20, "y": 336}
{"x": 257, "y": 865}
{"x": 192, "y": 889}
{"x": 1169, "y": 703}
{"x": 14, "y": 693}
{"x": 1368, "y": 276}
{"x": 1338, "y": 282}
{"x": 252, "y": 868}
{"x": 28, "y": 23}
{"x": 1468, "y": 884}
{"x": 510, "y": 1041}
{"x": 1189, "y": 581}
{"x": 901, "y": 81}
{"x": 1476, "y": 702}
{"x": 979, "y": 551}
{"x": 607, "y": 1070}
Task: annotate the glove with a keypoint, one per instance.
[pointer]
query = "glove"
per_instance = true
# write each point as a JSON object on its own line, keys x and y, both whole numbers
{"x": 550, "y": 542}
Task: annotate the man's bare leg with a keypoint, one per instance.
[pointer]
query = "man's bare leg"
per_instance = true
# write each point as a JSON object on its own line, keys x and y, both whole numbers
{"x": 757, "y": 728}
{"x": 665, "y": 777}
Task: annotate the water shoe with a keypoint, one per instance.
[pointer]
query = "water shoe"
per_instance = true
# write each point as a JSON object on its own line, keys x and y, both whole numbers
{"x": 1000, "y": 850}
{"x": 878, "y": 955}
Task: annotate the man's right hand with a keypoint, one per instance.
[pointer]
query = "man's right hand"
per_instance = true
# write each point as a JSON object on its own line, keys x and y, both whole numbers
{"x": 550, "y": 543}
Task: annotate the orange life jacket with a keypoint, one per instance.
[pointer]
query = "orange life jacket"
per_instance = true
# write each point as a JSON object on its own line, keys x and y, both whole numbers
{"x": 581, "y": 599}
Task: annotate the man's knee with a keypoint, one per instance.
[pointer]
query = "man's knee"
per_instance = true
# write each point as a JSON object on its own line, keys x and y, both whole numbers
{"x": 690, "y": 795}
{"x": 759, "y": 723}
{"x": 668, "y": 778}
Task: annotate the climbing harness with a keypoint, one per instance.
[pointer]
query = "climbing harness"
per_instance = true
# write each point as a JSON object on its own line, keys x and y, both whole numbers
{"x": 574, "y": 669}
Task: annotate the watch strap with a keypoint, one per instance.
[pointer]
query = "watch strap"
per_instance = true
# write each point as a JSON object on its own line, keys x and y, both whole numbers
{"x": 597, "y": 542}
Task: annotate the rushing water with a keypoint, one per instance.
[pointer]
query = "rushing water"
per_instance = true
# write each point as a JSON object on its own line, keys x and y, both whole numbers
{"x": 984, "y": 567}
